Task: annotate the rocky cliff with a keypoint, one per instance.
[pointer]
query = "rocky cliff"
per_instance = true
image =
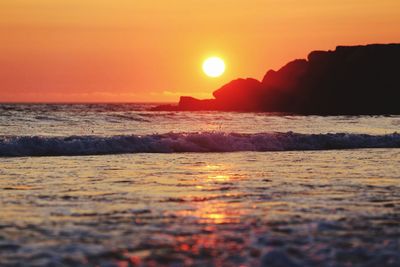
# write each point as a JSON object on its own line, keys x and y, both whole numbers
{"x": 348, "y": 80}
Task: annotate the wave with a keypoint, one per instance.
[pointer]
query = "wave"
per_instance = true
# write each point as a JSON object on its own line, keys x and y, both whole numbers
{"x": 17, "y": 146}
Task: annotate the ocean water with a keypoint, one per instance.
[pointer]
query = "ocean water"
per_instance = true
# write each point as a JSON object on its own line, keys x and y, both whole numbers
{"x": 118, "y": 185}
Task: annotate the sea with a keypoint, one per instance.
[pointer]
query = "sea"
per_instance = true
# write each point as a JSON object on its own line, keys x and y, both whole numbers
{"x": 121, "y": 185}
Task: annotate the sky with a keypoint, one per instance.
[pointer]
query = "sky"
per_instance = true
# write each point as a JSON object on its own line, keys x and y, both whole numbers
{"x": 152, "y": 51}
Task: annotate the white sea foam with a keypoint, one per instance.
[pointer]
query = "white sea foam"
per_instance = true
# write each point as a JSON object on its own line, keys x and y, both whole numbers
{"x": 14, "y": 146}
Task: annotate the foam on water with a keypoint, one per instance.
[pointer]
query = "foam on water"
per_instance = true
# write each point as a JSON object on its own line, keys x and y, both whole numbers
{"x": 14, "y": 146}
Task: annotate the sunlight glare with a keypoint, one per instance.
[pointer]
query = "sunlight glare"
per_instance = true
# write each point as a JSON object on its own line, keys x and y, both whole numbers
{"x": 214, "y": 67}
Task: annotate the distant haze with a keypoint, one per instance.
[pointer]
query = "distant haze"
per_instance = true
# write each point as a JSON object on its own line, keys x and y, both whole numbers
{"x": 134, "y": 51}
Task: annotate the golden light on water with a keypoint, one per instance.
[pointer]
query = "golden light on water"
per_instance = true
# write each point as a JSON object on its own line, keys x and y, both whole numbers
{"x": 219, "y": 178}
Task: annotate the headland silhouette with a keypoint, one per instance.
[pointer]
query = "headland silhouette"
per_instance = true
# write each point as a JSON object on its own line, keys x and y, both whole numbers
{"x": 348, "y": 80}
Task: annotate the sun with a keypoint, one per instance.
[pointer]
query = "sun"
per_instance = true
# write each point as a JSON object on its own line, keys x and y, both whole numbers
{"x": 213, "y": 67}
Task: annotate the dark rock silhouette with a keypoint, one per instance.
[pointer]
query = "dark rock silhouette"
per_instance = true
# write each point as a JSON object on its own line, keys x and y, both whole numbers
{"x": 348, "y": 80}
{"x": 240, "y": 93}
{"x": 191, "y": 103}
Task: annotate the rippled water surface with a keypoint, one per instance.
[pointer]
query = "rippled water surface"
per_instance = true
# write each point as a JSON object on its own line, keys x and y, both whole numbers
{"x": 286, "y": 208}
{"x": 121, "y": 119}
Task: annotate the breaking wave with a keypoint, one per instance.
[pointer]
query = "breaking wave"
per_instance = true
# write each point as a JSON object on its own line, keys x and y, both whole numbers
{"x": 16, "y": 146}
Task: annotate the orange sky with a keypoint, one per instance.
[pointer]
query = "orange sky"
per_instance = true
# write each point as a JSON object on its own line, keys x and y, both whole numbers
{"x": 141, "y": 50}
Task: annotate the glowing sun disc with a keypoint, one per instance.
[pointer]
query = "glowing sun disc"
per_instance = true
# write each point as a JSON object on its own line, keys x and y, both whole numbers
{"x": 214, "y": 67}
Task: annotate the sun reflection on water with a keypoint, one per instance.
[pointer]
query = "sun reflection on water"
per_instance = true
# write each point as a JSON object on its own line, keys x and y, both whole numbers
{"x": 219, "y": 178}
{"x": 213, "y": 167}
{"x": 214, "y": 212}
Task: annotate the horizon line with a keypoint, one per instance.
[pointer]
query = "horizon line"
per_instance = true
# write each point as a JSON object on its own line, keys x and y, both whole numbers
{"x": 85, "y": 102}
